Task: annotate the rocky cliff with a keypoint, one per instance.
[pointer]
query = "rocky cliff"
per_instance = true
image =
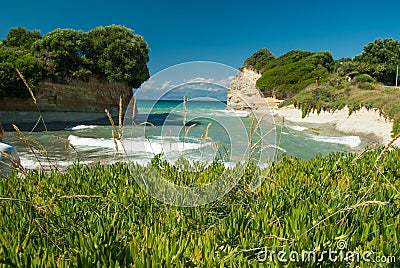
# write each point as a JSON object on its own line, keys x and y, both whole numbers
{"x": 75, "y": 102}
{"x": 243, "y": 92}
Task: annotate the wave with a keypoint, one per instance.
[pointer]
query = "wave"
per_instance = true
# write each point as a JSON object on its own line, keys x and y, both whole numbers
{"x": 352, "y": 141}
{"x": 154, "y": 145}
{"x": 233, "y": 113}
{"x": 35, "y": 163}
{"x": 79, "y": 127}
{"x": 159, "y": 145}
{"x": 92, "y": 142}
{"x": 297, "y": 128}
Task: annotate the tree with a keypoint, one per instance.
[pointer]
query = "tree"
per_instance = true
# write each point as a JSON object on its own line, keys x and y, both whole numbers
{"x": 382, "y": 56}
{"x": 113, "y": 52}
{"x": 61, "y": 52}
{"x": 11, "y": 84}
{"x": 119, "y": 54}
{"x": 20, "y": 37}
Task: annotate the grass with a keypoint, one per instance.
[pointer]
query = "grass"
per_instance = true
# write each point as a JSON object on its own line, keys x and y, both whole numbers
{"x": 99, "y": 217}
{"x": 338, "y": 93}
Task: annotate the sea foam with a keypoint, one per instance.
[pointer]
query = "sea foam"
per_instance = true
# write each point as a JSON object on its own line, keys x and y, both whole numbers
{"x": 79, "y": 127}
{"x": 297, "y": 128}
{"x": 352, "y": 141}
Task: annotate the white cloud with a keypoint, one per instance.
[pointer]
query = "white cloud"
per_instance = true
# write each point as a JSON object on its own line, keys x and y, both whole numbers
{"x": 165, "y": 84}
{"x": 215, "y": 89}
{"x": 201, "y": 80}
{"x": 149, "y": 84}
{"x": 225, "y": 82}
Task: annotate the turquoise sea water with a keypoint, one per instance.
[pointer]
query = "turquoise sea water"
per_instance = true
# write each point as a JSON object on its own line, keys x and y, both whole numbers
{"x": 211, "y": 130}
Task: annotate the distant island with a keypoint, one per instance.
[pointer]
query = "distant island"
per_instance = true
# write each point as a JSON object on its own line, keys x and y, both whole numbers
{"x": 74, "y": 75}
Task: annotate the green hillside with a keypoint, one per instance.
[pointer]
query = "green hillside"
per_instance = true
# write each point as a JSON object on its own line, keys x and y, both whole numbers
{"x": 359, "y": 82}
{"x": 287, "y": 75}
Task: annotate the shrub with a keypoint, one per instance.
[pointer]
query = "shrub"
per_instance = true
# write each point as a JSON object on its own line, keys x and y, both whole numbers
{"x": 362, "y": 78}
{"x": 11, "y": 85}
{"x": 259, "y": 60}
{"x": 289, "y": 79}
{"x": 366, "y": 86}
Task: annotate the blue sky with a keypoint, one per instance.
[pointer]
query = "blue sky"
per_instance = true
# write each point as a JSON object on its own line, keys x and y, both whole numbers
{"x": 223, "y": 31}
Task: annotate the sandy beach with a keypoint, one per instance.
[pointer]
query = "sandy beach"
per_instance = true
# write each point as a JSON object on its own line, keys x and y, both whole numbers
{"x": 362, "y": 122}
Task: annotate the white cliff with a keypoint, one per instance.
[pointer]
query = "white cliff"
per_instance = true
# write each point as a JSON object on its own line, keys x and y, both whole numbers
{"x": 243, "y": 92}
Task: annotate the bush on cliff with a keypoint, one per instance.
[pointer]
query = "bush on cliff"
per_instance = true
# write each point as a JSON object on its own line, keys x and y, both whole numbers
{"x": 11, "y": 85}
{"x": 61, "y": 52}
{"x": 259, "y": 60}
{"x": 294, "y": 71}
{"x": 118, "y": 54}
{"x": 113, "y": 52}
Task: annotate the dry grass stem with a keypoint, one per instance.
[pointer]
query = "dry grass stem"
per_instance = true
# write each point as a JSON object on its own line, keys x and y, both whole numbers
{"x": 27, "y": 86}
{"x": 184, "y": 110}
{"x": 251, "y": 132}
{"x": 79, "y": 196}
{"x": 36, "y": 148}
{"x": 366, "y": 203}
{"x": 115, "y": 140}
{"x": 113, "y": 124}
{"x": 187, "y": 131}
{"x": 134, "y": 108}
{"x": 387, "y": 147}
{"x": 149, "y": 123}
{"x": 67, "y": 144}
{"x": 34, "y": 101}
{"x": 15, "y": 164}
{"x": 120, "y": 115}
{"x": 208, "y": 126}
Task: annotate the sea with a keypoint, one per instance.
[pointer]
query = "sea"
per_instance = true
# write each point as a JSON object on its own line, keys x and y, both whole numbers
{"x": 198, "y": 130}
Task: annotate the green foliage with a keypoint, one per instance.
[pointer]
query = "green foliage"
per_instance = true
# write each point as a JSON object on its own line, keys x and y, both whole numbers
{"x": 11, "y": 85}
{"x": 99, "y": 217}
{"x": 286, "y": 80}
{"x": 15, "y": 54}
{"x": 379, "y": 59}
{"x": 259, "y": 60}
{"x": 396, "y": 127}
{"x": 345, "y": 82}
{"x": 338, "y": 93}
{"x": 362, "y": 78}
{"x": 367, "y": 86}
{"x": 119, "y": 54}
{"x": 22, "y": 38}
{"x": 61, "y": 52}
{"x": 112, "y": 52}
{"x": 287, "y": 58}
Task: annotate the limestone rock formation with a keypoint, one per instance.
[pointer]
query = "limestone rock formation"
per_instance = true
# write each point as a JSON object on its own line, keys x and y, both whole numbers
{"x": 243, "y": 92}
{"x": 77, "y": 101}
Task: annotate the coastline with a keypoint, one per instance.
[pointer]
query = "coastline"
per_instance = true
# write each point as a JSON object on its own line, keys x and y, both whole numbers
{"x": 363, "y": 122}
{"x": 243, "y": 94}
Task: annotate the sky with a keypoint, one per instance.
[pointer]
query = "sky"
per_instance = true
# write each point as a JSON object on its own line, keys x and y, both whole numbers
{"x": 226, "y": 32}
